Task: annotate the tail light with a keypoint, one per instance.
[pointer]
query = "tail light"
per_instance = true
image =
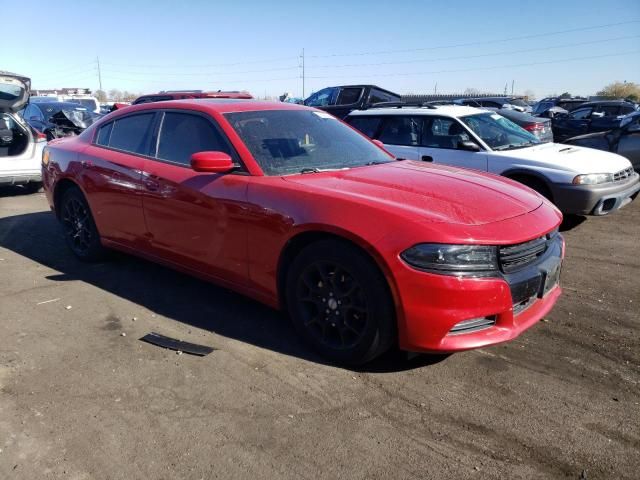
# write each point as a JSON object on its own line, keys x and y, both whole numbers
{"x": 534, "y": 127}
{"x": 39, "y": 136}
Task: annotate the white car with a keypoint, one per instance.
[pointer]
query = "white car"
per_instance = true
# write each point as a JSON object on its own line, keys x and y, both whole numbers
{"x": 20, "y": 146}
{"x": 578, "y": 180}
{"x": 87, "y": 101}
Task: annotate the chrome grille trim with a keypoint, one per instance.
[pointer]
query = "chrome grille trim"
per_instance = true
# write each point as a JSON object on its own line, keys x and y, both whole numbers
{"x": 473, "y": 325}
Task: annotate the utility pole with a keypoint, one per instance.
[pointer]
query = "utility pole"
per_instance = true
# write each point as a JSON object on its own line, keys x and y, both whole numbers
{"x": 505, "y": 89}
{"x": 303, "y": 79}
{"x": 512, "y": 83}
{"x": 435, "y": 89}
{"x": 99, "y": 74}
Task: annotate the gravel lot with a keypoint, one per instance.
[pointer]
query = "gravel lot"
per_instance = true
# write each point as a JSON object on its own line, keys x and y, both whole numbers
{"x": 80, "y": 400}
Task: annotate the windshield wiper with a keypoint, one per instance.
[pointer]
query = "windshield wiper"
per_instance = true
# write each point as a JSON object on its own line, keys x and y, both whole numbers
{"x": 319, "y": 170}
{"x": 513, "y": 146}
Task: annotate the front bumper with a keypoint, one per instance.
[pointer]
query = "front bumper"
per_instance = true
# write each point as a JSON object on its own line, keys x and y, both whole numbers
{"x": 511, "y": 303}
{"x": 20, "y": 177}
{"x": 595, "y": 199}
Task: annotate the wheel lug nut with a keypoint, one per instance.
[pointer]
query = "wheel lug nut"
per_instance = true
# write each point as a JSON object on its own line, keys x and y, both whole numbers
{"x": 324, "y": 299}
{"x": 333, "y": 324}
{"x": 327, "y": 310}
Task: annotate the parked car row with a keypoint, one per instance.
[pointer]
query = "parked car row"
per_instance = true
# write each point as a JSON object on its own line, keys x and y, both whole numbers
{"x": 409, "y": 227}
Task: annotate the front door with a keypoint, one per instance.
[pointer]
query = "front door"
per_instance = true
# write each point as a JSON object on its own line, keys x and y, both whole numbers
{"x": 441, "y": 137}
{"x": 195, "y": 220}
{"x": 629, "y": 143}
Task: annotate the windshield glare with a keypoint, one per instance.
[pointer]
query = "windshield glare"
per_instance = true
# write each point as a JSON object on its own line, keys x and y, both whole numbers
{"x": 498, "y": 132}
{"x": 285, "y": 142}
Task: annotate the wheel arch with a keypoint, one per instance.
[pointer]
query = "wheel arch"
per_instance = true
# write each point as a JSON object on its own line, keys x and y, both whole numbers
{"x": 62, "y": 186}
{"x": 301, "y": 239}
{"x": 517, "y": 174}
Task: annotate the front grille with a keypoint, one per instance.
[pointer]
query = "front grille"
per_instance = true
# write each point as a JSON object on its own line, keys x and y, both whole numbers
{"x": 473, "y": 325}
{"x": 515, "y": 257}
{"x": 623, "y": 174}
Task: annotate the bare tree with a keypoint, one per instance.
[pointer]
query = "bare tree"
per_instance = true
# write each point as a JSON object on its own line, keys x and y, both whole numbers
{"x": 629, "y": 90}
{"x": 530, "y": 94}
{"x": 101, "y": 95}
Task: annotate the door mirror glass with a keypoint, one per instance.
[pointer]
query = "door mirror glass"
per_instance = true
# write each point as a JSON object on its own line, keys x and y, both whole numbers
{"x": 211, "y": 162}
{"x": 468, "y": 145}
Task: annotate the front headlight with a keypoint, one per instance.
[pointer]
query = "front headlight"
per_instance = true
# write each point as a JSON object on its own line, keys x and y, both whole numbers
{"x": 453, "y": 259}
{"x": 593, "y": 178}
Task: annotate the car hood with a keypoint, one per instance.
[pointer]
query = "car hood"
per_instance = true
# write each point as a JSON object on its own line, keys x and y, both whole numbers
{"x": 570, "y": 158}
{"x": 14, "y": 91}
{"x": 427, "y": 192}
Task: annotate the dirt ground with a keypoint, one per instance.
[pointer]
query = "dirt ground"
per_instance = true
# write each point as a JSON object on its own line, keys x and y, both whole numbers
{"x": 79, "y": 399}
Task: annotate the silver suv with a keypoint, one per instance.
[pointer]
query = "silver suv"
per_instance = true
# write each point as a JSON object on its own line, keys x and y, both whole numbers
{"x": 20, "y": 146}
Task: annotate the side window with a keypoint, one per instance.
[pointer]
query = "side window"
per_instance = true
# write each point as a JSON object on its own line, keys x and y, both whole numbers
{"x": 609, "y": 110}
{"x": 377, "y": 96}
{"x": 322, "y": 98}
{"x": 132, "y": 134}
{"x": 626, "y": 109}
{"x": 399, "y": 130}
{"x": 366, "y": 124}
{"x": 183, "y": 134}
{"x": 442, "y": 132}
{"x": 349, "y": 96}
{"x": 104, "y": 135}
{"x": 581, "y": 113}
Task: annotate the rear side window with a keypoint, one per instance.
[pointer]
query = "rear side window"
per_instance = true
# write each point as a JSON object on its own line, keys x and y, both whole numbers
{"x": 442, "y": 132}
{"x": 183, "y": 134}
{"x": 609, "y": 110}
{"x": 132, "y": 134}
{"x": 377, "y": 96}
{"x": 104, "y": 134}
{"x": 367, "y": 125}
{"x": 349, "y": 96}
{"x": 401, "y": 131}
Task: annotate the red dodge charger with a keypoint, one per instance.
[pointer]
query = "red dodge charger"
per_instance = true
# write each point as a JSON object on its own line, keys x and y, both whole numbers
{"x": 292, "y": 207}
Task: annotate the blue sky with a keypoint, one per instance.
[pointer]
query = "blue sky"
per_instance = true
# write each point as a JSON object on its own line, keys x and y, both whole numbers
{"x": 404, "y": 46}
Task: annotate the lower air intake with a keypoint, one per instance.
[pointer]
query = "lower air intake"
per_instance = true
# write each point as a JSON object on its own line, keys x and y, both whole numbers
{"x": 473, "y": 325}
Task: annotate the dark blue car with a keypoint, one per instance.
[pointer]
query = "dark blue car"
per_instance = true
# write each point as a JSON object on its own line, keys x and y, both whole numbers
{"x": 591, "y": 117}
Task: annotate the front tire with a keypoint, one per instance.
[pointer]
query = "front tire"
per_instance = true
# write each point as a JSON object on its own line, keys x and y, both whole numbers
{"x": 340, "y": 302}
{"x": 79, "y": 228}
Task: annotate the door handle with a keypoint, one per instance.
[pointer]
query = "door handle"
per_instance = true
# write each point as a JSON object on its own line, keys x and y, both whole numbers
{"x": 427, "y": 158}
{"x": 150, "y": 181}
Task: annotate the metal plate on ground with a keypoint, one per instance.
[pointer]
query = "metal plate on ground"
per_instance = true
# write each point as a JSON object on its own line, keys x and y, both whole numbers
{"x": 178, "y": 345}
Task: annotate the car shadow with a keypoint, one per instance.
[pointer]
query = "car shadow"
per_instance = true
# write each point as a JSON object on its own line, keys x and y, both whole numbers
{"x": 569, "y": 222}
{"x": 13, "y": 190}
{"x": 174, "y": 295}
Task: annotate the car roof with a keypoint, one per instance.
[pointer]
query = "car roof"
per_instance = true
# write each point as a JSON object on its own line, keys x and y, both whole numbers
{"x": 220, "y": 105}
{"x": 60, "y": 105}
{"x": 605, "y": 102}
{"x": 447, "y": 110}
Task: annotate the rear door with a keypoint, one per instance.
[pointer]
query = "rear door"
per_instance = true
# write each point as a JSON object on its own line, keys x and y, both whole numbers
{"x": 112, "y": 172}
{"x": 440, "y": 144}
{"x": 629, "y": 143}
{"x": 195, "y": 219}
{"x": 401, "y": 135}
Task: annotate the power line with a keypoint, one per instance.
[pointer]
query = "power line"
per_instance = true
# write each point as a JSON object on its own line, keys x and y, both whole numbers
{"x": 485, "y": 42}
{"x": 468, "y": 57}
{"x": 198, "y": 74}
{"x": 244, "y": 80}
{"x": 212, "y": 65}
{"x": 486, "y": 68}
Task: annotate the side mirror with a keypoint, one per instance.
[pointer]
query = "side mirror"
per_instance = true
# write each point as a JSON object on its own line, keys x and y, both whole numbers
{"x": 378, "y": 143}
{"x": 469, "y": 146}
{"x": 211, "y": 162}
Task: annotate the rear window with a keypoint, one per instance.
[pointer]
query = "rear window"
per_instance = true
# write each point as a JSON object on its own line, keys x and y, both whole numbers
{"x": 349, "y": 96}
{"x": 131, "y": 134}
{"x": 518, "y": 102}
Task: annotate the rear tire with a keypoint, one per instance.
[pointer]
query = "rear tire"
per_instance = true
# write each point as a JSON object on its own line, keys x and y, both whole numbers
{"x": 340, "y": 303}
{"x": 79, "y": 228}
{"x": 33, "y": 187}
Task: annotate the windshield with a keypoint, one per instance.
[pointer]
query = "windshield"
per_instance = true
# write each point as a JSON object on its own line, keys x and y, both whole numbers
{"x": 285, "y": 142}
{"x": 498, "y": 132}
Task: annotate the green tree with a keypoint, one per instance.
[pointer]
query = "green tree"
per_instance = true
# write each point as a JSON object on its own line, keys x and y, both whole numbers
{"x": 565, "y": 95}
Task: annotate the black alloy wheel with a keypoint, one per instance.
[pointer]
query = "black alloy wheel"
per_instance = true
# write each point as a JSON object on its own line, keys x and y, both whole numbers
{"x": 340, "y": 302}
{"x": 79, "y": 228}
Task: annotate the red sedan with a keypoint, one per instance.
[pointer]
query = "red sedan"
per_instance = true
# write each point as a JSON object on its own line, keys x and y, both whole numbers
{"x": 292, "y": 207}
